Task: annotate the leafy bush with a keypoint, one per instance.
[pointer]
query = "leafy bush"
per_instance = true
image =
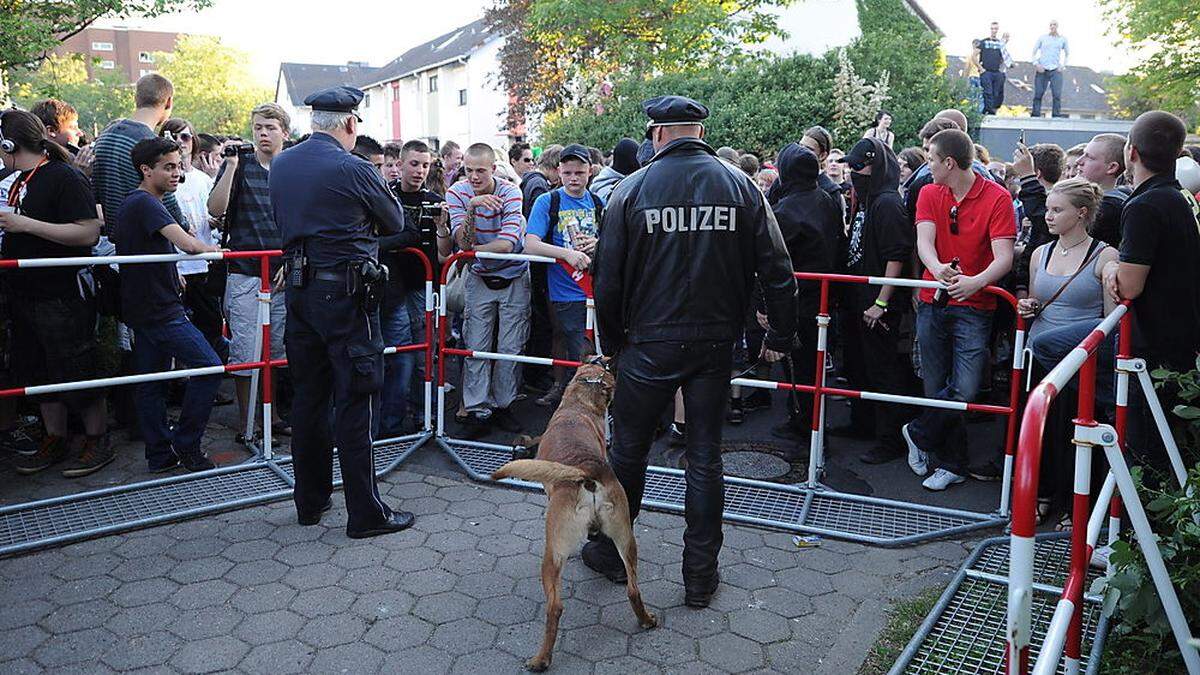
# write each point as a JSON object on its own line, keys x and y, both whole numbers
{"x": 761, "y": 105}
{"x": 1141, "y": 640}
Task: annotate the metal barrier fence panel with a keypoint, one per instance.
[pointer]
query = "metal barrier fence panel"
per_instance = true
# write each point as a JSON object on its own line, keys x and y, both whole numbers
{"x": 261, "y": 479}
{"x": 810, "y": 507}
{"x": 1062, "y": 641}
{"x": 965, "y": 632}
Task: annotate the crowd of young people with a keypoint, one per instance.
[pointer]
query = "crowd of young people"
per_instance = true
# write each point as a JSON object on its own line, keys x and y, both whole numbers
{"x": 1071, "y": 233}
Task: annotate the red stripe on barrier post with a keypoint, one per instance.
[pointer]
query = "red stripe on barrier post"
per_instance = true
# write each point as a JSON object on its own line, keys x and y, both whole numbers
{"x": 1080, "y": 511}
{"x": 1025, "y": 478}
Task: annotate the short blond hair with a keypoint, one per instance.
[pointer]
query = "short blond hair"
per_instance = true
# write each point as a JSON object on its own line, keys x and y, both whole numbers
{"x": 273, "y": 111}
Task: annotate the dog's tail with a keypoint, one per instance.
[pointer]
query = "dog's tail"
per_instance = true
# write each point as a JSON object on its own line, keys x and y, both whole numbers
{"x": 541, "y": 471}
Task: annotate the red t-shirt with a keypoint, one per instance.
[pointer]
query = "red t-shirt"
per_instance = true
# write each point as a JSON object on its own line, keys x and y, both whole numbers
{"x": 984, "y": 215}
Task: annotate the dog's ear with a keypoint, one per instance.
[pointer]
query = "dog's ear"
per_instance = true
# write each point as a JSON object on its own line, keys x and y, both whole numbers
{"x": 602, "y": 361}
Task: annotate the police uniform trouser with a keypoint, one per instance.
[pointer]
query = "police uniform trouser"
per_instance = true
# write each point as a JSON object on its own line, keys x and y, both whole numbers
{"x": 335, "y": 351}
{"x": 648, "y": 375}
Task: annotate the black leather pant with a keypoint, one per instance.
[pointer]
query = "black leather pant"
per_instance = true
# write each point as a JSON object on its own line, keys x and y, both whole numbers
{"x": 648, "y": 375}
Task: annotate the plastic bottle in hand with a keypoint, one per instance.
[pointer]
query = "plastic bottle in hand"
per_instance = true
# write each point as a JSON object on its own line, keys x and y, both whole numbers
{"x": 941, "y": 297}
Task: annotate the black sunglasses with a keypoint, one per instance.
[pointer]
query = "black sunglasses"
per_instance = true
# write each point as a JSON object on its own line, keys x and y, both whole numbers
{"x": 954, "y": 219}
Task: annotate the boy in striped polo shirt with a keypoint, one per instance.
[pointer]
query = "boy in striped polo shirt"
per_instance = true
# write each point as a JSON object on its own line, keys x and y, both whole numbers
{"x": 485, "y": 216}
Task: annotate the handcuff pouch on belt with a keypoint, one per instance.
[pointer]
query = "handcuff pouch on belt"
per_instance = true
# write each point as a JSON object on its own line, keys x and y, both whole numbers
{"x": 297, "y": 269}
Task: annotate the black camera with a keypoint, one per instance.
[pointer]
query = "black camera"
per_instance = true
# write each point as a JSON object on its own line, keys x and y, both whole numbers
{"x": 236, "y": 149}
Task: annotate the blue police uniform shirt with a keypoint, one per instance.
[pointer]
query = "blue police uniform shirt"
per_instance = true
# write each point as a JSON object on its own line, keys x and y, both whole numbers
{"x": 574, "y": 214}
{"x": 331, "y": 201}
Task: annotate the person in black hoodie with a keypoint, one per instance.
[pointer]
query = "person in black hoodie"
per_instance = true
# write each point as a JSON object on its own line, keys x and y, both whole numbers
{"x": 879, "y": 245}
{"x": 811, "y": 224}
{"x": 819, "y": 142}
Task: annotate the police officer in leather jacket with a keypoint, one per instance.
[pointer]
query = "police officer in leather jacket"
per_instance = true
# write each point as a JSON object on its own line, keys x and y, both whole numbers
{"x": 683, "y": 244}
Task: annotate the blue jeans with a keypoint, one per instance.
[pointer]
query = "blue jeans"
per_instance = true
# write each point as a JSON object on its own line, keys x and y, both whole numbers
{"x": 153, "y": 348}
{"x": 1054, "y": 79}
{"x": 1052, "y": 345}
{"x": 402, "y": 323}
{"x": 572, "y": 320}
{"x": 954, "y": 349}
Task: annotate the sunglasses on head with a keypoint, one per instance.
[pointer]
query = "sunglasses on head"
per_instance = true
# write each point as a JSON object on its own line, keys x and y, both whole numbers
{"x": 954, "y": 219}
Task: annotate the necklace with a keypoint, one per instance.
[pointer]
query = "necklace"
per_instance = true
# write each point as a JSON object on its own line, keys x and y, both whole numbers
{"x": 1067, "y": 249}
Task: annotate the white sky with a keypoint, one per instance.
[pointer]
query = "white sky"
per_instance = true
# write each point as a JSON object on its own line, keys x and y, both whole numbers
{"x": 376, "y": 31}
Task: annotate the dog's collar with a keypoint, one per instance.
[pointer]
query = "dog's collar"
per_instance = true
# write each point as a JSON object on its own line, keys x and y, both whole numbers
{"x": 598, "y": 380}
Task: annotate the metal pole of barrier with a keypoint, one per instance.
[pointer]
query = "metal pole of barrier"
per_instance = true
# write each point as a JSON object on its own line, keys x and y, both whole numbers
{"x": 1081, "y": 510}
{"x": 1024, "y": 509}
{"x": 815, "y": 451}
{"x": 1121, "y": 419}
{"x": 441, "y": 345}
{"x": 264, "y": 314}
{"x": 430, "y": 307}
{"x": 1014, "y": 397}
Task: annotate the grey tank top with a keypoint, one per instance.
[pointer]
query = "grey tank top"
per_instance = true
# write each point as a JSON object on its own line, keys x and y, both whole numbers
{"x": 1082, "y": 300}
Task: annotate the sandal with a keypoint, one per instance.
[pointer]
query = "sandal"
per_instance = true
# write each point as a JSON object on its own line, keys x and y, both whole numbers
{"x": 1043, "y": 510}
{"x": 1064, "y": 523}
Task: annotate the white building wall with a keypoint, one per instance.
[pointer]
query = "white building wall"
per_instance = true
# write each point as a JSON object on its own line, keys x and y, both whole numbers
{"x": 427, "y": 115}
{"x": 300, "y": 115}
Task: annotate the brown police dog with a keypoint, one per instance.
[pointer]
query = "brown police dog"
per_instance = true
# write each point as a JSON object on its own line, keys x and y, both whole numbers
{"x": 585, "y": 495}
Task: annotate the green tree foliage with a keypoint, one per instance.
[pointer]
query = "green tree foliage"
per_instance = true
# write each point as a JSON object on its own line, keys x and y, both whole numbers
{"x": 31, "y": 28}
{"x": 213, "y": 86}
{"x": 1168, "y": 31}
{"x": 761, "y": 105}
{"x": 99, "y": 99}
{"x": 561, "y": 51}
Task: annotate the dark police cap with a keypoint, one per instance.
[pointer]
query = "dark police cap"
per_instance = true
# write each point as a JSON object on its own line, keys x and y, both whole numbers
{"x": 674, "y": 110}
{"x": 335, "y": 99}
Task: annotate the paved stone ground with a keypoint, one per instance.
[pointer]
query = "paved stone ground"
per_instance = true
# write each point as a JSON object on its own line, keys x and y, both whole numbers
{"x": 251, "y": 591}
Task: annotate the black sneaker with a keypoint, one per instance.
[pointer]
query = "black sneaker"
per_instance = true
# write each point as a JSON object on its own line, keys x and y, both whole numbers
{"x": 197, "y": 462}
{"x": 505, "y": 421}
{"x": 678, "y": 435}
{"x": 735, "y": 414}
{"x": 789, "y": 432}
{"x": 163, "y": 465}
{"x": 19, "y": 440}
{"x": 601, "y": 556}
{"x": 991, "y": 471}
{"x": 759, "y": 400}
{"x": 53, "y": 450}
{"x": 96, "y": 454}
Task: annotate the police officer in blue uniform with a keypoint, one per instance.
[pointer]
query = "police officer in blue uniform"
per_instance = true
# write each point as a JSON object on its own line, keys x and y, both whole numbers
{"x": 685, "y": 242}
{"x": 330, "y": 207}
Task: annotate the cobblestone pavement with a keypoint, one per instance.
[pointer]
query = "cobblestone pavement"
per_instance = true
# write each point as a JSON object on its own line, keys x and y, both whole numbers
{"x": 252, "y": 591}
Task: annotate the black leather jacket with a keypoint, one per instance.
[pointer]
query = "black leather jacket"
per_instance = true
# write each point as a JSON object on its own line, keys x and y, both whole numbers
{"x": 681, "y": 243}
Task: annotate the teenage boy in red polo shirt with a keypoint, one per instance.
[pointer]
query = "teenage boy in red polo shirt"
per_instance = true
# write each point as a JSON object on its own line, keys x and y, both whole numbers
{"x": 959, "y": 216}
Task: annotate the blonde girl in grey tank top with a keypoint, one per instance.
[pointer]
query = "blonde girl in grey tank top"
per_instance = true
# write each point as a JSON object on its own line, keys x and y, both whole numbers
{"x": 1070, "y": 207}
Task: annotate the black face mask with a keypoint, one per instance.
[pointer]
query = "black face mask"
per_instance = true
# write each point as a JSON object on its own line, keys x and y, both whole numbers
{"x": 861, "y": 183}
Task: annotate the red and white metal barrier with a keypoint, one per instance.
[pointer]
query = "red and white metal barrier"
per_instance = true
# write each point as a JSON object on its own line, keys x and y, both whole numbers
{"x": 1064, "y": 635}
{"x": 260, "y": 364}
{"x": 818, "y": 388}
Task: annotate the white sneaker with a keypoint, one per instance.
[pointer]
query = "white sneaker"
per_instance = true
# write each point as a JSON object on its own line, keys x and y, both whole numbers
{"x": 918, "y": 460}
{"x": 942, "y": 479}
{"x": 1100, "y": 557}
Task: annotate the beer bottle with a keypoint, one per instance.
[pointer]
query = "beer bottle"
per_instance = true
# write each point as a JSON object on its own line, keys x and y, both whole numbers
{"x": 940, "y": 297}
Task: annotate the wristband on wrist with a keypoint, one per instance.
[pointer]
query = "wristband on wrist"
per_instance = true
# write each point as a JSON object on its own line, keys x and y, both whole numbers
{"x": 881, "y": 303}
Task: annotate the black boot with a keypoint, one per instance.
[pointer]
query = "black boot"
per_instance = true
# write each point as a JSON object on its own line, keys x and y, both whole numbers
{"x": 600, "y": 555}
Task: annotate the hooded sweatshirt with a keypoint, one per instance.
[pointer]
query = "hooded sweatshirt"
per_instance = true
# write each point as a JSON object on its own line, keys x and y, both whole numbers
{"x": 879, "y": 228}
{"x": 809, "y": 218}
{"x": 624, "y": 162}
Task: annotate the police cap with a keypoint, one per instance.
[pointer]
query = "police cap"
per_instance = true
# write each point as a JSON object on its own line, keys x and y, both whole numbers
{"x": 340, "y": 99}
{"x": 673, "y": 110}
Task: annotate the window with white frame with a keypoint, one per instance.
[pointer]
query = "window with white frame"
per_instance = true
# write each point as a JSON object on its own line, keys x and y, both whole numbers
{"x": 433, "y": 83}
{"x": 367, "y": 100}
{"x": 462, "y": 96}
{"x": 102, "y": 46}
{"x": 145, "y": 57}
{"x": 108, "y": 64}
